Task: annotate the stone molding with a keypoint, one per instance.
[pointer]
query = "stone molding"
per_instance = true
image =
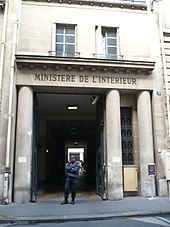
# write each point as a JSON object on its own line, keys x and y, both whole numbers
{"x": 127, "y": 4}
{"x": 81, "y": 64}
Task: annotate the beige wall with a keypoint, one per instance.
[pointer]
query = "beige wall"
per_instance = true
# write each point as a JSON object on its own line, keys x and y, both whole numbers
{"x": 12, "y": 17}
{"x": 138, "y": 37}
{"x": 37, "y": 19}
{"x": 166, "y": 8}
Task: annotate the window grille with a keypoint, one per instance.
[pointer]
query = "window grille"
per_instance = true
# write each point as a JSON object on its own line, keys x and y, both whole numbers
{"x": 126, "y": 133}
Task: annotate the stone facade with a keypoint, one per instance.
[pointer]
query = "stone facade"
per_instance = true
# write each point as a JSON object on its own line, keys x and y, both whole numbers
{"x": 161, "y": 8}
{"x": 131, "y": 78}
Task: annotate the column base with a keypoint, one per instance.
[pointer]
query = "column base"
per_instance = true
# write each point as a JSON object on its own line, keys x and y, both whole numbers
{"x": 115, "y": 193}
{"x": 22, "y": 196}
{"x": 162, "y": 187}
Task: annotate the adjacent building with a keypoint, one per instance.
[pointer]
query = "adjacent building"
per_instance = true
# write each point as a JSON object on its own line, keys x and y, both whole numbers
{"x": 86, "y": 75}
{"x": 161, "y": 9}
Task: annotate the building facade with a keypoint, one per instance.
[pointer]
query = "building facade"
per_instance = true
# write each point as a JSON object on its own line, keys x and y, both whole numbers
{"x": 87, "y": 75}
{"x": 161, "y": 9}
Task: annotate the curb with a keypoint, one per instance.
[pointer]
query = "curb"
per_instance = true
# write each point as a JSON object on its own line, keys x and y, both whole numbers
{"x": 75, "y": 218}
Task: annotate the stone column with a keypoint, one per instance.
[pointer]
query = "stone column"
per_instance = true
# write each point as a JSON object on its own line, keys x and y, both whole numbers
{"x": 113, "y": 143}
{"x": 23, "y": 158}
{"x": 145, "y": 141}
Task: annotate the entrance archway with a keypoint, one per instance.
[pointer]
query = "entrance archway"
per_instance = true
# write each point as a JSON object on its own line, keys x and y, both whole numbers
{"x": 59, "y": 128}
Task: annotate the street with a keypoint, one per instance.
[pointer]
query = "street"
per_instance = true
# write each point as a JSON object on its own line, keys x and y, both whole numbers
{"x": 116, "y": 222}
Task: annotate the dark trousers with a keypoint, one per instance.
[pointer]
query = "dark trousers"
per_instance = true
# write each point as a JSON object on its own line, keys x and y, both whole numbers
{"x": 71, "y": 182}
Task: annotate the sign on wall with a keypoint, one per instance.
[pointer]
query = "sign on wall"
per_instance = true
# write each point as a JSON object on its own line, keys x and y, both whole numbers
{"x": 83, "y": 79}
{"x": 151, "y": 169}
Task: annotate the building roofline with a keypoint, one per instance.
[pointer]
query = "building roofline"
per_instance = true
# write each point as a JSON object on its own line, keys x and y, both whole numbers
{"x": 130, "y": 4}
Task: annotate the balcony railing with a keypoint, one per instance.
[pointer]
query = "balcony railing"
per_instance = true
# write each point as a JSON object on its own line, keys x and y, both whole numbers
{"x": 108, "y": 56}
{"x": 64, "y": 54}
{"x": 94, "y": 56}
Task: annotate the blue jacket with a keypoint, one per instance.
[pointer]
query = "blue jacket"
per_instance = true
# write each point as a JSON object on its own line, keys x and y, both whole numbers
{"x": 72, "y": 170}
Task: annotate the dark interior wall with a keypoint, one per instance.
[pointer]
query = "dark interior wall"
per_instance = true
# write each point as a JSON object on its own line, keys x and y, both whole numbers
{"x": 91, "y": 158}
{"x": 57, "y": 149}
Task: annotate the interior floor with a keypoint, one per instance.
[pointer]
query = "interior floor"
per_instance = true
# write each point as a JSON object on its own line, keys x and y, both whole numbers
{"x": 55, "y": 192}
{"x": 51, "y": 187}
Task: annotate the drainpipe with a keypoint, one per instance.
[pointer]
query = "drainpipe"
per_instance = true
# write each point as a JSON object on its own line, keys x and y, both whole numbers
{"x": 6, "y": 198}
{"x": 3, "y": 42}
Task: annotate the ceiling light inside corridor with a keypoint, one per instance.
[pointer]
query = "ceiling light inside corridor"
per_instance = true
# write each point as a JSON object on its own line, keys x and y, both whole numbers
{"x": 72, "y": 107}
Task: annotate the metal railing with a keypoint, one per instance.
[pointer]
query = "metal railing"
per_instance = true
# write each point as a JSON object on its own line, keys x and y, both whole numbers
{"x": 108, "y": 56}
{"x": 77, "y": 55}
{"x": 64, "y": 54}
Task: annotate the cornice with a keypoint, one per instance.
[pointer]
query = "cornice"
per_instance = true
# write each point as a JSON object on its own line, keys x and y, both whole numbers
{"x": 124, "y": 4}
{"x": 81, "y": 64}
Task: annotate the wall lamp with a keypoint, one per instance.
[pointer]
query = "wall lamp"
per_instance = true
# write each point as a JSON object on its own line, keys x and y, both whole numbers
{"x": 94, "y": 99}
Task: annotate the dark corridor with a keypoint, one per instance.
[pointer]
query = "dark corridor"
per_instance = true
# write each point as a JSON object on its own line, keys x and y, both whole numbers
{"x": 66, "y": 129}
{"x": 56, "y": 157}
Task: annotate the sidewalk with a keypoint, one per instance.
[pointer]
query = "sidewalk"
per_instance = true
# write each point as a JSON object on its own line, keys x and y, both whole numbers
{"x": 91, "y": 208}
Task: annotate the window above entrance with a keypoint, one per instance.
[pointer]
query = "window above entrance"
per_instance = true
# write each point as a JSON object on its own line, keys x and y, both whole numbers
{"x": 107, "y": 45}
{"x": 110, "y": 40}
{"x": 65, "y": 42}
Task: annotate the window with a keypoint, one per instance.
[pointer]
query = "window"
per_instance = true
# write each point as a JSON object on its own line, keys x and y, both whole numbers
{"x": 110, "y": 42}
{"x": 65, "y": 40}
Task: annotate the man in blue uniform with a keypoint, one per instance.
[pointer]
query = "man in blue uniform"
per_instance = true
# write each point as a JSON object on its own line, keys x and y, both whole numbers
{"x": 71, "y": 170}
